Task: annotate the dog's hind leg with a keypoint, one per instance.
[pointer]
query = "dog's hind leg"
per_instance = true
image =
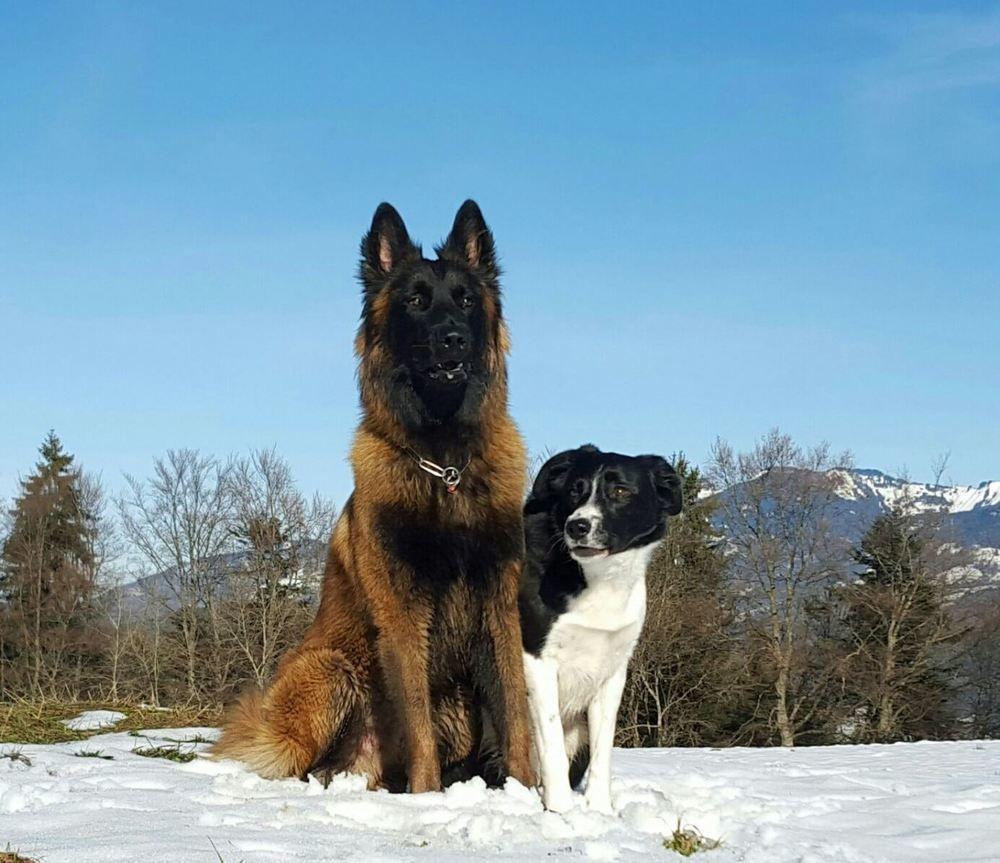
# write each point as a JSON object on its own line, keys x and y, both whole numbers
{"x": 313, "y": 710}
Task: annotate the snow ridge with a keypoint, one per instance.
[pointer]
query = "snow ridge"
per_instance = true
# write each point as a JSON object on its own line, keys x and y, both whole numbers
{"x": 920, "y": 497}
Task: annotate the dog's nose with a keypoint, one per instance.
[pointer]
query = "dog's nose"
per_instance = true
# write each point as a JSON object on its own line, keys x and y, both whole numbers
{"x": 578, "y": 528}
{"x": 451, "y": 343}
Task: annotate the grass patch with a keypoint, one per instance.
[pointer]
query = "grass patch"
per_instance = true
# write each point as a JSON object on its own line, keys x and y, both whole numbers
{"x": 197, "y": 738}
{"x": 687, "y": 841}
{"x": 93, "y": 753}
{"x": 9, "y": 856}
{"x": 171, "y": 753}
{"x": 41, "y": 722}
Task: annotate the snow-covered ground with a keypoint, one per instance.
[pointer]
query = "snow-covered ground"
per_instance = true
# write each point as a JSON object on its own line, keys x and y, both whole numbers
{"x": 92, "y": 720}
{"x": 911, "y": 803}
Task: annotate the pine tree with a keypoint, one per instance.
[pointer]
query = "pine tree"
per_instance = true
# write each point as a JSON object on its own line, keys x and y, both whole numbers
{"x": 46, "y": 567}
{"x": 897, "y": 631}
{"x": 677, "y": 691}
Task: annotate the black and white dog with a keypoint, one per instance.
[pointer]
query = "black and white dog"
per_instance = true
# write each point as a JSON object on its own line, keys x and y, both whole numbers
{"x": 591, "y": 524}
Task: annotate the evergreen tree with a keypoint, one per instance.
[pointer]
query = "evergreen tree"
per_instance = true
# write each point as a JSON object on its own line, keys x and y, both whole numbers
{"x": 46, "y": 566}
{"x": 896, "y": 630}
{"x": 678, "y": 690}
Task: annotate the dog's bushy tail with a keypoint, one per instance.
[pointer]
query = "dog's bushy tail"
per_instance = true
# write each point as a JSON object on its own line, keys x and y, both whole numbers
{"x": 286, "y": 729}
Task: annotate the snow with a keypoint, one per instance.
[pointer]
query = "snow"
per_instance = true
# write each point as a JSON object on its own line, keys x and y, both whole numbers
{"x": 92, "y": 720}
{"x": 963, "y": 498}
{"x": 918, "y": 496}
{"x": 912, "y": 803}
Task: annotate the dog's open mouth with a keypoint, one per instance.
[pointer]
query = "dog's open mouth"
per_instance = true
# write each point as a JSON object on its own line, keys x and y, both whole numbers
{"x": 588, "y": 551}
{"x": 448, "y": 372}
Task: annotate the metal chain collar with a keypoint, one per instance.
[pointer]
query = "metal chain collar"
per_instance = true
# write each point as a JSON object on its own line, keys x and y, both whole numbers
{"x": 450, "y": 475}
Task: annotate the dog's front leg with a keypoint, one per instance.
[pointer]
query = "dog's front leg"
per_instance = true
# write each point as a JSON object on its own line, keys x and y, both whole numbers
{"x": 546, "y": 723}
{"x": 403, "y": 653}
{"x": 602, "y": 714}
{"x": 502, "y": 679}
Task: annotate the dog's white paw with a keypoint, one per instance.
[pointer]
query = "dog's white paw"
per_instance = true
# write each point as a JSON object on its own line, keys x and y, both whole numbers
{"x": 599, "y": 801}
{"x": 559, "y": 801}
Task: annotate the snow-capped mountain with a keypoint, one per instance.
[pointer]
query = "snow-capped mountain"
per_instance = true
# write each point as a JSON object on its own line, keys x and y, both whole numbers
{"x": 973, "y": 511}
{"x": 971, "y": 515}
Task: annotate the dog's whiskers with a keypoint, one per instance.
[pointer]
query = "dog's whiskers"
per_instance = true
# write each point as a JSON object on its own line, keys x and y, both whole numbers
{"x": 556, "y": 540}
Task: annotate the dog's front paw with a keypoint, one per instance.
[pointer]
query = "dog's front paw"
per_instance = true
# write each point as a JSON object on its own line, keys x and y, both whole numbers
{"x": 425, "y": 777}
{"x": 599, "y": 801}
{"x": 561, "y": 800}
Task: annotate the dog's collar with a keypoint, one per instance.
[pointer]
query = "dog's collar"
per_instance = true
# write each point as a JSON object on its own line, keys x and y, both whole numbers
{"x": 451, "y": 476}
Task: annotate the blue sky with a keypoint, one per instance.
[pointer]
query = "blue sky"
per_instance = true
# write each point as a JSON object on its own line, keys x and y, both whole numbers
{"x": 714, "y": 219}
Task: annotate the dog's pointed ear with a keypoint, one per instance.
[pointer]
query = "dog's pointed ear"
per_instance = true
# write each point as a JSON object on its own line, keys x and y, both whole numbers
{"x": 386, "y": 243}
{"x": 471, "y": 241}
{"x": 668, "y": 484}
{"x": 549, "y": 481}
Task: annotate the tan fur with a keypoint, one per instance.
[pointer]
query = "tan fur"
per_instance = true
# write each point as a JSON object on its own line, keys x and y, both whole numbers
{"x": 278, "y": 733}
{"x": 358, "y": 694}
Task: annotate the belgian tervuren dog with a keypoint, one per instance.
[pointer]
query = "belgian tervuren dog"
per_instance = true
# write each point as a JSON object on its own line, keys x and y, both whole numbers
{"x": 416, "y": 644}
{"x": 591, "y": 524}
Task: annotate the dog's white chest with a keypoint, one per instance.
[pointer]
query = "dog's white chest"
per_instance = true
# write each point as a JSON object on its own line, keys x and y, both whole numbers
{"x": 594, "y": 638}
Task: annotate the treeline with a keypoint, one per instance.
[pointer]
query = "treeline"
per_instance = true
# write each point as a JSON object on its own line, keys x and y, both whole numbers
{"x": 763, "y": 627}
{"x": 183, "y": 589}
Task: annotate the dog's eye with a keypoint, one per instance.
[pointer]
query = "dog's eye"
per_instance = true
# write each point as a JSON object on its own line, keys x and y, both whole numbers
{"x": 465, "y": 301}
{"x": 621, "y": 492}
{"x": 417, "y": 301}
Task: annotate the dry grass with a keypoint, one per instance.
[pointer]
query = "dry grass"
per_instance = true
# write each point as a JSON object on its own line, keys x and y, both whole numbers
{"x": 40, "y": 722}
{"x": 171, "y": 753}
{"x": 687, "y": 841}
{"x": 93, "y": 753}
{"x": 9, "y": 856}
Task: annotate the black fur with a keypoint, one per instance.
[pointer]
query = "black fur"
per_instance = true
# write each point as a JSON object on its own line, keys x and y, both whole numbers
{"x": 429, "y": 298}
{"x": 440, "y": 556}
{"x": 551, "y": 576}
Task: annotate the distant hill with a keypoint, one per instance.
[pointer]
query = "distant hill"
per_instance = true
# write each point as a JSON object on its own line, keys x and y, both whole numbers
{"x": 139, "y": 593}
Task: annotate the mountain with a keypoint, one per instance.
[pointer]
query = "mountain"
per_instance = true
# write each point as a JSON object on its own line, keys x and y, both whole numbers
{"x": 972, "y": 511}
{"x": 136, "y": 595}
{"x": 971, "y": 514}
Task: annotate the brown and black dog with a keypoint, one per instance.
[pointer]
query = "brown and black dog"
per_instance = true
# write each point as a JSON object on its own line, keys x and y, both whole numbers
{"x": 416, "y": 646}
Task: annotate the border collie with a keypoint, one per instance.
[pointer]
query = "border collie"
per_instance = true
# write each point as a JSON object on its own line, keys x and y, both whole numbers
{"x": 592, "y": 522}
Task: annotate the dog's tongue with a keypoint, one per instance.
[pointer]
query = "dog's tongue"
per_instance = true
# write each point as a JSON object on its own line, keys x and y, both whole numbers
{"x": 584, "y": 551}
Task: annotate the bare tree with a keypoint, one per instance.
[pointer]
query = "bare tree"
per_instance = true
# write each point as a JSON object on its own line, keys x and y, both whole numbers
{"x": 776, "y": 501}
{"x": 940, "y": 465}
{"x": 178, "y": 520}
{"x": 282, "y": 538}
{"x": 145, "y": 641}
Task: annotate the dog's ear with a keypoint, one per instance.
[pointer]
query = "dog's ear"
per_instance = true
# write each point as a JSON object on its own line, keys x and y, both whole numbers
{"x": 549, "y": 481}
{"x": 667, "y": 484}
{"x": 386, "y": 243}
{"x": 470, "y": 240}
